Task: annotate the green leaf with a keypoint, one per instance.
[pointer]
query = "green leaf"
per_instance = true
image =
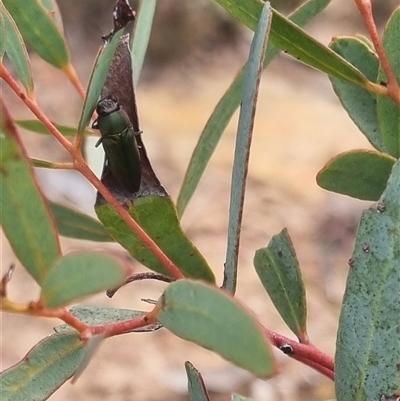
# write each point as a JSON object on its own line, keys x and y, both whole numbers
{"x": 53, "y": 11}
{"x": 225, "y": 109}
{"x": 3, "y": 32}
{"x": 78, "y": 225}
{"x": 40, "y": 31}
{"x": 196, "y": 387}
{"x": 367, "y": 42}
{"x": 96, "y": 316}
{"x": 80, "y": 274}
{"x": 144, "y": 23}
{"x": 97, "y": 79}
{"x": 388, "y": 110}
{"x": 16, "y": 50}
{"x": 293, "y": 40}
{"x": 360, "y": 174}
{"x": 279, "y": 271}
{"x": 44, "y": 164}
{"x": 25, "y": 216}
{"x": 251, "y": 84}
{"x": 359, "y": 103}
{"x": 368, "y": 346}
{"x": 209, "y": 317}
{"x": 44, "y": 369}
{"x": 157, "y": 216}
{"x": 49, "y": 5}
{"x": 38, "y": 127}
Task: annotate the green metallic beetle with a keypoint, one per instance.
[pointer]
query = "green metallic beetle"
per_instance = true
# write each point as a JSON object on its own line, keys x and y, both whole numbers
{"x": 119, "y": 143}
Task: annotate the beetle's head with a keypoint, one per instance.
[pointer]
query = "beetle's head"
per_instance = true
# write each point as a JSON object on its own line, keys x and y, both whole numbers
{"x": 107, "y": 106}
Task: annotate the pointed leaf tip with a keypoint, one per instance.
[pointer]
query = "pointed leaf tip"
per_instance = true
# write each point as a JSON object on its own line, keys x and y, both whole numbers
{"x": 279, "y": 271}
{"x": 196, "y": 387}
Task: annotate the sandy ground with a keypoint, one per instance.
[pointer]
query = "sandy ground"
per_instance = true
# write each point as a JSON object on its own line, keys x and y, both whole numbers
{"x": 299, "y": 126}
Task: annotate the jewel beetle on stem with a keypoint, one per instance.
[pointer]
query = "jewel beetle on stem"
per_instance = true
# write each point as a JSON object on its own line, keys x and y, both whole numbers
{"x": 119, "y": 142}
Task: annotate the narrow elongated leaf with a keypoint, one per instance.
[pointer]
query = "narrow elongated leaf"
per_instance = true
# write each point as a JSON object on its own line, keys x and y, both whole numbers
{"x": 78, "y": 225}
{"x": 97, "y": 79}
{"x": 243, "y": 142}
{"x": 40, "y": 31}
{"x": 359, "y": 103}
{"x": 80, "y": 274}
{"x": 25, "y": 216}
{"x": 388, "y": 110}
{"x": 293, "y": 40}
{"x": 225, "y": 109}
{"x": 44, "y": 369}
{"x": 157, "y": 216}
{"x": 207, "y": 316}
{"x": 368, "y": 347}
{"x": 37, "y": 127}
{"x": 280, "y": 274}
{"x": 196, "y": 387}
{"x": 361, "y": 174}
{"x": 16, "y": 50}
{"x": 44, "y": 164}
{"x": 140, "y": 42}
{"x": 95, "y": 316}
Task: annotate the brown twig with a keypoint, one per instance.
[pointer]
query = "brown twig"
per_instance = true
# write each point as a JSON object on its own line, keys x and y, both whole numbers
{"x": 81, "y": 165}
{"x": 139, "y": 277}
{"x": 392, "y": 88}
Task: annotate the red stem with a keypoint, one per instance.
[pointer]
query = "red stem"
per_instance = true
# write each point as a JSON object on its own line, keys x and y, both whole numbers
{"x": 82, "y": 167}
{"x": 312, "y": 364}
{"x": 308, "y": 354}
{"x": 114, "y": 329}
{"x": 74, "y": 79}
{"x": 365, "y": 8}
{"x": 63, "y": 314}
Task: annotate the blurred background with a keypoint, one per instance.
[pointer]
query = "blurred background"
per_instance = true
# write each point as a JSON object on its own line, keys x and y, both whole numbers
{"x": 195, "y": 51}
